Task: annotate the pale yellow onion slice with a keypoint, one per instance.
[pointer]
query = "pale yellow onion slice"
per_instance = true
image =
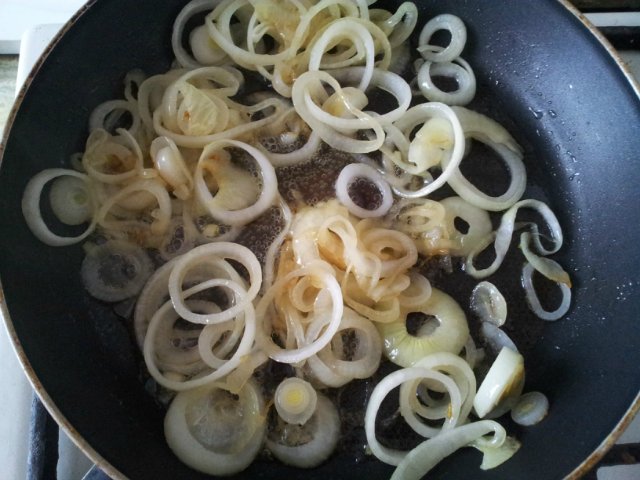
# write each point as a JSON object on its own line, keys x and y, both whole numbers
{"x": 222, "y": 212}
{"x": 244, "y": 347}
{"x": 171, "y": 165}
{"x": 329, "y": 366}
{"x": 449, "y": 336}
{"x": 428, "y": 454}
{"x": 71, "y": 200}
{"x": 33, "y": 215}
{"x": 323, "y": 273}
{"x": 488, "y": 303}
{"x": 451, "y": 23}
{"x": 477, "y": 220}
{"x": 214, "y": 432}
{"x": 502, "y": 384}
{"x": 295, "y": 400}
{"x": 501, "y": 238}
{"x": 418, "y": 115}
{"x": 455, "y": 367}
{"x": 203, "y": 253}
{"x": 457, "y": 69}
{"x": 349, "y": 175}
{"x": 323, "y": 428}
{"x": 534, "y": 301}
{"x": 182, "y": 56}
{"x": 380, "y": 392}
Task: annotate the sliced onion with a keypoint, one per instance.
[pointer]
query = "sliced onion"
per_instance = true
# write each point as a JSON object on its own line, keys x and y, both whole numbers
{"x": 188, "y": 11}
{"x": 349, "y": 175}
{"x": 419, "y": 461}
{"x": 70, "y": 200}
{"x": 458, "y": 70}
{"x": 496, "y": 338}
{"x": 295, "y": 400}
{"x": 449, "y": 336}
{"x": 531, "y": 408}
{"x": 324, "y": 275}
{"x": 420, "y": 114}
{"x": 503, "y": 383}
{"x": 203, "y": 253}
{"x": 477, "y": 219}
{"x": 33, "y": 215}
{"x": 267, "y": 197}
{"x": 213, "y": 432}
{"x": 115, "y": 270}
{"x": 488, "y": 303}
{"x": 504, "y": 233}
{"x": 458, "y": 32}
{"x": 534, "y": 302}
{"x": 323, "y": 427}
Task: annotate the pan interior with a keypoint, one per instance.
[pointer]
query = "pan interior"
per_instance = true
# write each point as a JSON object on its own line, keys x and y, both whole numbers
{"x": 550, "y": 84}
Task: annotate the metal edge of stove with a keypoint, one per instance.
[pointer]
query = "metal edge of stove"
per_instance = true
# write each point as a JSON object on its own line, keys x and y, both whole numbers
{"x": 612, "y": 37}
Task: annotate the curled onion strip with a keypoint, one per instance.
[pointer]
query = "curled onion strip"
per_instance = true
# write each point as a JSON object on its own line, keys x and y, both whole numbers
{"x": 459, "y": 70}
{"x": 534, "y": 302}
{"x": 350, "y": 174}
{"x": 320, "y": 271}
{"x": 221, "y": 250}
{"x": 428, "y": 454}
{"x": 33, "y": 214}
{"x": 477, "y": 219}
{"x": 189, "y": 10}
{"x": 458, "y": 32}
{"x": 244, "y": 347}
{"x": 382, "y": 389}
{"x": 419, "y": 114}
{"x": 331, "y": 369}
{"x": 502, "y": 237}
{"x": 267, "y": 196}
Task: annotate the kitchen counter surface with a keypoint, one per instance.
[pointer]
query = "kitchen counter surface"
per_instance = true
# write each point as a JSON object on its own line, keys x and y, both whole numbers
{"x": 8, "y": 72}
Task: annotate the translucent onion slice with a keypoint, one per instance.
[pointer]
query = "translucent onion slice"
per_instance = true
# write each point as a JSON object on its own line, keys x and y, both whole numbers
{"x": 380, "y": 392}
{"x": 417, "y": 293}
{"x": 329, "y": 365}
{"x": 534, "y": 301}
{"x": 531, "y": 408}
{"x": 70, "y": 200}
{"x": 488, "y": 303}
{"x": 454, "y": 26}
{"x": 115, "y": 270}
{"x": 33, "y": 215}
{"x": 215, "y": 432}
{"x": 188, "y": 11}
{"x": 495, "y": 338}
{"x": 458, "y": 70}
{"x": 201, "y": 254}
{"x": 476, "y": 219}
{"x": 182, "y": 384}
{"x": 417, "y": 463}
{"x": 503, "y": 383}
{"x": 418, "y": 115}
{"x": 323, "y": 274}
{"x": 295, "y": 400}
{"x": 504, "y": 233}
{"x": 169, "y": 163}
{"x": 449, "y": 336}
{"x": 351, "y": 174}
{"x": 220, "y": 209}
{"x": 324, "y": 430}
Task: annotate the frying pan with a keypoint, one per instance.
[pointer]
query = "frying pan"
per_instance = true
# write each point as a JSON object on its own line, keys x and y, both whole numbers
{"x": 555, "y": 86}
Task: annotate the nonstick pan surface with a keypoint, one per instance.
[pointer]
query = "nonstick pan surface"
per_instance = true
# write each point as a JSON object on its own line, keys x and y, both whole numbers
{"x": 541, "y": 72}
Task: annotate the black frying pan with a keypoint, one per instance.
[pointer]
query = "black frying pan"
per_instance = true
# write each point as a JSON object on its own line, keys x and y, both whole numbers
{"x": 531, "y": 58}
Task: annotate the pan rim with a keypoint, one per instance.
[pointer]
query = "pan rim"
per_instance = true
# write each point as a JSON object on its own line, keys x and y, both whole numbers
{"x": 77, "y": 438}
